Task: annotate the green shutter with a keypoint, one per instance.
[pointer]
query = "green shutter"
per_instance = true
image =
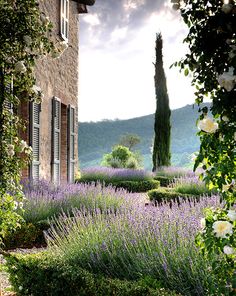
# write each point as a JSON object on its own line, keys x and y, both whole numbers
{"x": 56, "y": 140}
{"x": 71, "y": 136}
{"x": 35, "y": 110}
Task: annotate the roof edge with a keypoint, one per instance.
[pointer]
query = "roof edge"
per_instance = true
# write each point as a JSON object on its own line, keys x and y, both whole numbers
{"x": 87, "y": 2}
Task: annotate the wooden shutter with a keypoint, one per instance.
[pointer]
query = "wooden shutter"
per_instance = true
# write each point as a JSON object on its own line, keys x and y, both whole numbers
{"x": 56, "y": 140}
{"x": 64, "y": 24}
{"x": 71, "y": 136}
{"x": 35, "y": 110}
{"x": 9, "y": 92}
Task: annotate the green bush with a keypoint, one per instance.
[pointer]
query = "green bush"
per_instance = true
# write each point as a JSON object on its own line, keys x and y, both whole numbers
{"x": 27, "y": 236}
{"x": 37, "y": 275}
{"x": 166, "y": 195}
{"x": 164, "y": 180}
{"x": 122, "y": 157}
{"x": 137, "y": 186}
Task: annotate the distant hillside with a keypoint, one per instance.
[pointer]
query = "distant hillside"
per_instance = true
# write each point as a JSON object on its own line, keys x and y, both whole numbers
{"x": 97, "y": 138}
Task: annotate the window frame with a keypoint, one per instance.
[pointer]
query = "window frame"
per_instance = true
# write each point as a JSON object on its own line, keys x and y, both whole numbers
{"x": 64, "y": 20}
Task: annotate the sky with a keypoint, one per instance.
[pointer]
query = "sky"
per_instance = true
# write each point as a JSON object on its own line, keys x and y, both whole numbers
{"x": 117, "y": 56}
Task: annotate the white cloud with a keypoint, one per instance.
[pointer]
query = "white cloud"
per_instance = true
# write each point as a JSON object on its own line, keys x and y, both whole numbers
{"x": 117, "y": 77}
{"x": 92, "y": 19}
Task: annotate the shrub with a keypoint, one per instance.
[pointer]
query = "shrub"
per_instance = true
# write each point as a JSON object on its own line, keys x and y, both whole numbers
{"x": 38, "y": 275}
{"x": 121, "y": 157}
{"x": 153, "y": 241}
{"x": 167, "y": 195}
{"x": 191, "y": 185}
{"x": 103, "y": 174}
{"x": 137, "y": 186}
{"x": 164, "y": 180}
{"x": 174, "y": 172}
{"x": 27, "y": 236}
{"x": 45, "y": 200}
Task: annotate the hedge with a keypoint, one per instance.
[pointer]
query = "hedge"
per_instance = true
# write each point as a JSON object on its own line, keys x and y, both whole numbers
{"x": 168, "y": 195}
{"x": 164, "y": 181}
{"x": 131, "y": 186}
{"x": 37, "y": 275}
{"x": 27, "y": 236}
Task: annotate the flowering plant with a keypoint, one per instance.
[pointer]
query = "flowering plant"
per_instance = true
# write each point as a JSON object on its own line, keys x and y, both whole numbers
{"x": 23, "y": 39}
{"x": 212, "y": 61}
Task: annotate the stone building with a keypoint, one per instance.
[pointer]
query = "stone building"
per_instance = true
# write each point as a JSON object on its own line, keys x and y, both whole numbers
{"x": 52, "y": 130}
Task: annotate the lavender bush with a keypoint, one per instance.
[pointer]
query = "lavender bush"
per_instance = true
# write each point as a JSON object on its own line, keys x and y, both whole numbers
{"x": 138, "y": 242}
{"x": 113, "y": 175}
{"x": 190, "y": 185}
{"x": 45, "y": 200}
{"x": 174, "y": 172}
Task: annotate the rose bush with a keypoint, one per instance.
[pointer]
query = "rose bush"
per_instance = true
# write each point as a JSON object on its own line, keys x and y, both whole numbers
{"x": 212, "y": 62}
{"x": 23, "y": 39}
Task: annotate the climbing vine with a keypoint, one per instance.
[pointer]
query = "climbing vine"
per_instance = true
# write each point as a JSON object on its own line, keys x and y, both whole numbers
{"x": 25, "y": 37}
{"x": 212, "y": 63}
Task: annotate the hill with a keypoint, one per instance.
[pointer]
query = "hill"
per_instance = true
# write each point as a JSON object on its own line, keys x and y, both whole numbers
{"x": 97, "y": 138}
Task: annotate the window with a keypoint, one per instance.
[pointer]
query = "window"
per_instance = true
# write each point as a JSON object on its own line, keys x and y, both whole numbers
{"x": 35, "y": 110}
{"x": 71, "y": 144}
{"x": 65, "y": 19}
{"x": 56, "y": 140}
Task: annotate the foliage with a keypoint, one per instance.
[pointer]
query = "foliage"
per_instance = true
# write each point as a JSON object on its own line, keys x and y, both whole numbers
{"x": 103, "y": 174}
{"x": 46, "y": 200}
{"x": 97, "y": 138}
{"x": 191, "y": 185}
{"x": 137, "y": 186}
{"x": 27, "y": 236}
{"x": 157, "y": 242}
{"x": 129, "y": 140}
{"x": 39, "y": 275}
{"x": 122, "y": 157}
{"x": 23, "y": 39}
{"x": 161, "y": 147}
{"x": 167, "y": 195}
{"x": 212, "y": 62}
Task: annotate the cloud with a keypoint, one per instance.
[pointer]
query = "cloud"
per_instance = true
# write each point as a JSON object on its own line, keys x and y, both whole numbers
{"x": 117, "y": 52}
{"x": 108, "y": 17}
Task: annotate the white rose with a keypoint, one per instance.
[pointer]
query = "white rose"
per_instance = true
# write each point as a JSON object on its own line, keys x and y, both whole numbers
{"x": 20, "y": 67}
{"x": 226, "y": 8}
{"x": 23, "y": 145}
{"x": 203, "y": 223}
{"x": 36, "y": 89}
{"x": 208, "y": 125}
{"x": 10, "y": 149}
{"x": 27, "y": 39}
{"x": 228, "y": 250}
{"x": 227, "y": 79}
{"x": 225, "y": 118}
{"x": 222, "y": 228}
{"x": 231, "y": 215}
{"x": 29, "y": 150}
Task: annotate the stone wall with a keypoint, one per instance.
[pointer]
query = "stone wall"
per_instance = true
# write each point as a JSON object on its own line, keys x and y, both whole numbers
{"x": 58, "y": 78}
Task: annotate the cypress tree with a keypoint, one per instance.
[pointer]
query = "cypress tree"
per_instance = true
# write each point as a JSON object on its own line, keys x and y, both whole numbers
{"x": 161, "y": 148}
